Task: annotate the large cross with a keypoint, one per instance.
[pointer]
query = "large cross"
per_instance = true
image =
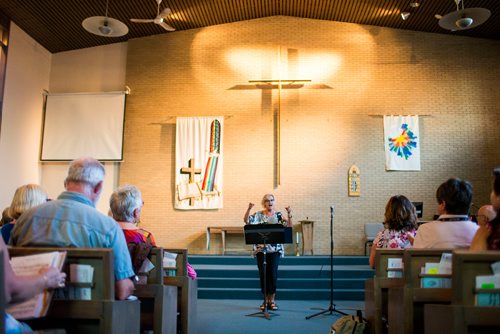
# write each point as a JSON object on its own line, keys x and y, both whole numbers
{"x": 270, "y": 84}
{"x": 192, "y": 171}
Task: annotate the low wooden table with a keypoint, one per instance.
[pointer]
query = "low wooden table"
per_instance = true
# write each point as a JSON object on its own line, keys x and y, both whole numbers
{"x": 223, "y": 230}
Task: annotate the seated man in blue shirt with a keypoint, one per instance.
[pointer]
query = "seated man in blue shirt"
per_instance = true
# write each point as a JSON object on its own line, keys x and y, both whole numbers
{"x": 73, "y": 221}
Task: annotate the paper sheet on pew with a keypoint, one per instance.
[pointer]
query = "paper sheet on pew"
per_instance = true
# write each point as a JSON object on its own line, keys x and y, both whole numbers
{"x": 441, "y": 268}
{"x": 81, "y": 277}
{"x": 495, "y": 266}
{"x": 488, "y": 282}
{"x": 170, "y": 263}
{"x": 28, "y": 266}
{"x": 394, "y": 267}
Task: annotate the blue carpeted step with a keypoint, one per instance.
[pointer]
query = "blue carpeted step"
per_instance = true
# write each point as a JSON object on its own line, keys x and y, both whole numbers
{"x": 300, "y": 278}
{"x": 286, "y": 271}
{"x": 282, "y": 294}
{"x": 285, "y": 283}
{"x": 287, "y": 260}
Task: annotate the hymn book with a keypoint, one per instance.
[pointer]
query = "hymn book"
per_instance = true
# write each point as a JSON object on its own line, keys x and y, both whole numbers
{"x": 30, "y": 265}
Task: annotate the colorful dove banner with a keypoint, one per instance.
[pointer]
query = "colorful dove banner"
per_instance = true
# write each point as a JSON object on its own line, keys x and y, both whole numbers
{"x": 198, "y": 163}
{"x": 402, "y": 143}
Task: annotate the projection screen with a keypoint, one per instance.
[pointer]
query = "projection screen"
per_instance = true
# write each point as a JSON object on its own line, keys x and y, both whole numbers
{"x": 83, "y": 124}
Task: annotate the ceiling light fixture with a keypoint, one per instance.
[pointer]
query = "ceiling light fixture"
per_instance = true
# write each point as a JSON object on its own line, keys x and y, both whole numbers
{"x": 464, "y": 18}
{"x": 405, "y": 15}
{"x": 414, "y": 4}
{"x": 105, "y": 26}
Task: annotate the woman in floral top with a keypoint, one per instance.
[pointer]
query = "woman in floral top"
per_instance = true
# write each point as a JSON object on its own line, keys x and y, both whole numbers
{"x": 400, "y": 226}
{"x": 273, "y": 251}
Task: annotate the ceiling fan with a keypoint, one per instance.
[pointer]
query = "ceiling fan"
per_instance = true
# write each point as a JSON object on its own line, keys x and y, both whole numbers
{"x": 463, "y": 18}
{"x": 159, "y": 19}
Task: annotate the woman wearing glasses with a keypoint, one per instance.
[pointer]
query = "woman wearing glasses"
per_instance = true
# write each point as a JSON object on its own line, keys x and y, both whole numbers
{"x": 273, "y": 252}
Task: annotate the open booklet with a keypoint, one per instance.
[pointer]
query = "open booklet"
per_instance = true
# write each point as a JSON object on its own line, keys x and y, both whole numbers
{"x": 30, "y": 265}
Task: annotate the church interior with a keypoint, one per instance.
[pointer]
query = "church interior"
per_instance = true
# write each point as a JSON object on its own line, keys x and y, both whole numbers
{"x": 303, "y": 88}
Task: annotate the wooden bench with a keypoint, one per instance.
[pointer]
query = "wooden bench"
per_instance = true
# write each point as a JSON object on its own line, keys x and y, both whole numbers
{"x": 102, "y": 314}
{"x": 158, "y": 301}
{"x": 223, "y": 230}
{"x": 463, "y": 316}
{"x": 405, "y": 303}
{"x": 187, "y": 298}
{"x": 376, "y": 289}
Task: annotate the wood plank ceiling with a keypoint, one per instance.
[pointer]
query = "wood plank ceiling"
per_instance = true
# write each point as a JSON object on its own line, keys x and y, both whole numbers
{"x": 56, "y": 24}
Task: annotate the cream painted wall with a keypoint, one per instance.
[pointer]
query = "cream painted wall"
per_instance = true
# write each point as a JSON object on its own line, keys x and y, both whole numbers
{"x": 30, "y": 70}
{"x": 27, "y": 75}
{"x": 97, "y": 69}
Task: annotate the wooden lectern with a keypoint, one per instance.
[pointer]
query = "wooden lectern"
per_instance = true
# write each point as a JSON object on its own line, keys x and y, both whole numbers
{"x": 307, "y": 237}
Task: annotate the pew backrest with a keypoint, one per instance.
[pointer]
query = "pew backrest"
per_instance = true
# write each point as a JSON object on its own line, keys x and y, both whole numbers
{"x": 466, "y": 266}
{"x": 101, "y": 259}
{"x": 415, "y": 259}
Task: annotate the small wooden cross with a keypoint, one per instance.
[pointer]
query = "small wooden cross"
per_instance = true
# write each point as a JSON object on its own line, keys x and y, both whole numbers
{"x": 192, "y": 171}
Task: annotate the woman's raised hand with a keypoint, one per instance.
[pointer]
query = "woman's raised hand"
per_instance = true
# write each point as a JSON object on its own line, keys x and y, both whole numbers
{"x": 250, "y": 206}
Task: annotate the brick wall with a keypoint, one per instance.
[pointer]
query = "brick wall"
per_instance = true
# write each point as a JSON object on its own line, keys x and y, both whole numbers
{"x": 368, "y": 71}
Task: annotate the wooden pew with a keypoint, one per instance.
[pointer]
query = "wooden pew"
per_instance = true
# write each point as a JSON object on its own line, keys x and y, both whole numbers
{"x": 158, "y": 301}
{"x": 376, "y": 289}
{"x": 463, "y": 316}
{"x": 405, "y": 303}
{"x": 187, "y": 297}
{"x": 102, "y": 314}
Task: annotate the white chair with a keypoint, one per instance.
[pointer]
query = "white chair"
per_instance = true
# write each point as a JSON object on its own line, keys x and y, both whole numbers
{"x": 371, "y": 230}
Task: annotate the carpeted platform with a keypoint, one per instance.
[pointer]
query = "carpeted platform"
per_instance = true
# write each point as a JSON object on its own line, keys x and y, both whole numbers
{"x": 300, "y": 277}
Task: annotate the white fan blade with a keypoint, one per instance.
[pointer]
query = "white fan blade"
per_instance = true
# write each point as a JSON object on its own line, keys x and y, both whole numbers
{"x": 164, "y": 13}
{"x": 165, "y": 26}
{"x": 142, "y": 20}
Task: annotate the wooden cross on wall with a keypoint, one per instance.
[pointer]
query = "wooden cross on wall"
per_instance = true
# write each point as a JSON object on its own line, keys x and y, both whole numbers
{"x": 192, "y": 171}
{"x": 270, "y": 83}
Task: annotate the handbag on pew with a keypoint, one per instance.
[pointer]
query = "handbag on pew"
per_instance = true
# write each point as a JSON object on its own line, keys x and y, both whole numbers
{"x": 350, "y": 324}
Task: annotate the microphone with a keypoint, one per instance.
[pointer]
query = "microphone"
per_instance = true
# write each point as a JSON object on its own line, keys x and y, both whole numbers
{"x": 331, "y": 209}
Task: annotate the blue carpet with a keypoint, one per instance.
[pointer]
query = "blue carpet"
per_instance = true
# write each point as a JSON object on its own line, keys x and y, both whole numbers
{"x": 228, "y": 316}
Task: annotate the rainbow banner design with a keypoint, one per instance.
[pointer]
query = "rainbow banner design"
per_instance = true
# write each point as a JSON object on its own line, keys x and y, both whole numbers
{"x": 213, "y": 159}
{"x": 199, "y": 140}
{"x": 402, "y": 146}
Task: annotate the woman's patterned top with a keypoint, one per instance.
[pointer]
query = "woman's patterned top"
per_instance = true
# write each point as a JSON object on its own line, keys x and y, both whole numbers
{"x": 394, "y": 239}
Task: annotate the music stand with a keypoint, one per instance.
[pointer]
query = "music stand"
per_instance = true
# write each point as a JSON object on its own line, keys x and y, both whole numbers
{"x": 266, "y": 234}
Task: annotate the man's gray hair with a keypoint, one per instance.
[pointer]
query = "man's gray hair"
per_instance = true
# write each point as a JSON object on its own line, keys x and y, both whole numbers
{"x": 85, "y": 170}
{"x": 124, "y": 201}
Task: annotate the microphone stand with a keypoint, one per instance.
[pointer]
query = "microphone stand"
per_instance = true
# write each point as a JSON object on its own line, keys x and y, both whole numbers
{"x": 330, "y": 308}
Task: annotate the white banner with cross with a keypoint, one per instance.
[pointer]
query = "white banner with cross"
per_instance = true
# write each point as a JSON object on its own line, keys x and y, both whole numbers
{"x": 199, "y": 163}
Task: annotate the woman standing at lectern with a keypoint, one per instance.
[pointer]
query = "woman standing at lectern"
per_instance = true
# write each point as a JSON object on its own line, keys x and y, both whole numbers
{"x": 273, "y": 251}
